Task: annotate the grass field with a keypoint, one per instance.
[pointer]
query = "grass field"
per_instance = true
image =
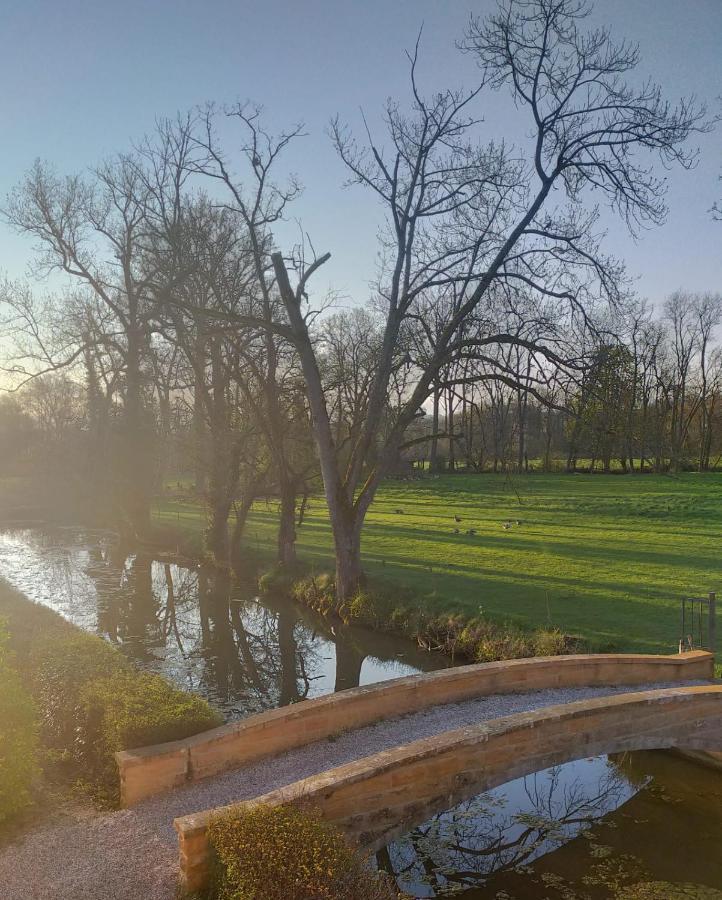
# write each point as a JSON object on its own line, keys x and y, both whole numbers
{"x": 605, "y": 557}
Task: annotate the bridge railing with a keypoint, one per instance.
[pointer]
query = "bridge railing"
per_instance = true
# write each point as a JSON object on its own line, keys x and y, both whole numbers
{"x": 152, "y": 770}
{"x": 376, "y": 798}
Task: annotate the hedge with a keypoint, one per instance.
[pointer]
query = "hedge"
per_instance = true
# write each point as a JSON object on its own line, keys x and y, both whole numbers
{"x": 91, "y": 700}
{"x": 282, "y": 853}
{"x": 134, "y": 709}
{"x": 18, "y": 738}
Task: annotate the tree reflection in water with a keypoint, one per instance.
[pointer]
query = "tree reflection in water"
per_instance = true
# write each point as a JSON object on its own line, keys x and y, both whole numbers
{"x": 505, "y": 828}
{"x": 202, "y": 628}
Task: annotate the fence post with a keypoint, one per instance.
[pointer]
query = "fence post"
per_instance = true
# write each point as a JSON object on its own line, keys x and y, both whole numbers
{"x": 712, "y": 623}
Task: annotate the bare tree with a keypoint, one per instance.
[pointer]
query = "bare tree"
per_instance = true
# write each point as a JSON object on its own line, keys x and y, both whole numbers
{"x": 92, "y": 229}
{"x": 482, "y": 218}
{"x": 258, "y": 209}
{"x": 708, "y": 310}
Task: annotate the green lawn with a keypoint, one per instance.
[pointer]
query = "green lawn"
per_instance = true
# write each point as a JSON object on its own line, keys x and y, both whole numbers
{"x": 606, "y": 557}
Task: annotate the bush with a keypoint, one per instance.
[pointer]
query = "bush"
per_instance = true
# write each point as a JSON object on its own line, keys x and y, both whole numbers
{"x": 133, "y": 709}
{"x": 398, "y": 611}
{"x": 28, "y": 623}
{"x": 18, "y": 738}
{"x": 316, "y": 591}
{"x": 279, "y": 579}
{"x": 94, "y": 702}
{"x": 552, "y": 642}
{"x": 60, "y": 666}
{"x": 281, "y": 853}
{"x": 90, "y": 700}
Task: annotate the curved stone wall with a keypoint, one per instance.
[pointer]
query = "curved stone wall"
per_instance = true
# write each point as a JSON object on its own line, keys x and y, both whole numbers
{"x": 152, "y": 770}
{"x": 378, "y": 797}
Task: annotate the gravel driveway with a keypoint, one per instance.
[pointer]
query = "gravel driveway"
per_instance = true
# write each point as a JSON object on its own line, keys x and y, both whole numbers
{"x": 133, "y": 854}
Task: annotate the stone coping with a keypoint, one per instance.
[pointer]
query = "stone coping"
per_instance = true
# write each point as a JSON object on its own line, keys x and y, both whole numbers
{"x": 377, "y": 797}
{"x": 307, "y": 789}
{"x": 151, "y": 770}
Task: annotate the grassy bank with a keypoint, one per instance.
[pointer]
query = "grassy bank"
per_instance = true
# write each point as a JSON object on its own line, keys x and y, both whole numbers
{"x": 604, "y": 557}
{"x": 87, "y": 699}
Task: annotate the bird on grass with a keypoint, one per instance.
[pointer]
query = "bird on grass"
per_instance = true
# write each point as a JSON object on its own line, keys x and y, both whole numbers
{"x": 399, "y": 512}
{"x": 457, "y": 518}
{"x": 456, "y": 531}
{"x": 471, "y": 531}
{"x": 506, "y": 526}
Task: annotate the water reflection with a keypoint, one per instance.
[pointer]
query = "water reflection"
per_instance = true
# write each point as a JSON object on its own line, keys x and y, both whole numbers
{"x": 202, "y": 628}
{"x": 640, "y": 826}
{"x": 505, "y": 828}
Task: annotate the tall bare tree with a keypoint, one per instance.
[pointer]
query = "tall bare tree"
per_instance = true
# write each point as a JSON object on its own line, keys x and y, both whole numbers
{"x": 92, "y": 229}
{"x": 486, "y": 219}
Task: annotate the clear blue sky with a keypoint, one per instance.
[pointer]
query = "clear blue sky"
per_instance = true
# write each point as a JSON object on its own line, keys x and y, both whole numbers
{"x": 82, "y": 79}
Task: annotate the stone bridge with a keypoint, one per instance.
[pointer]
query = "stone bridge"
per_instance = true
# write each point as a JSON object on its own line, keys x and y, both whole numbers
{"x": 380, "y": 796}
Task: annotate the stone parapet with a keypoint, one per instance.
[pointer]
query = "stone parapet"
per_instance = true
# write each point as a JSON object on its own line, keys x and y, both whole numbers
{"x": 152, "y": 770}
{"x": 376, "y": 798}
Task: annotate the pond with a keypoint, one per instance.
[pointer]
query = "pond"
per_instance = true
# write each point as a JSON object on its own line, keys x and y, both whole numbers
{"x": 202, "y": 629}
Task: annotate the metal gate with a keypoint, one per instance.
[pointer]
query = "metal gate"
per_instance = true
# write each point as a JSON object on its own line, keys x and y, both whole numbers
{"x": 698, "y": 623}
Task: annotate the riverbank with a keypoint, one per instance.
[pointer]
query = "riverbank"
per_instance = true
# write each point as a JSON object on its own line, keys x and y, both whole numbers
{"x": 605, "y": 558}
{"x": 88, "y": 702}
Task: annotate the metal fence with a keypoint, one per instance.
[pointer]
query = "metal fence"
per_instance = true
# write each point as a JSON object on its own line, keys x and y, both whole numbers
{"x": 698, "y": 623}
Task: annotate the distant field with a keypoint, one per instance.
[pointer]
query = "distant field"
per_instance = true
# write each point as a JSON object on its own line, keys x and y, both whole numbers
{"x": 606, "y": 557}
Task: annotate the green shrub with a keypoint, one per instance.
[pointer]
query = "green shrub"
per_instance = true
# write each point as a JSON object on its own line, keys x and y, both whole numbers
{"x": 461, "y": 637}
{"x": 18, "y": 738}
{"x": 60, "y": 666}
{"x": 133, "y": 709}
{"x": 279, "y": 579}
{"x": 552, "y": 642}
{"x": 94, "y": 702}
{"x": 316, "y": 591}
{"x": 281, "y": 853}
{"x": 28, "y": 623}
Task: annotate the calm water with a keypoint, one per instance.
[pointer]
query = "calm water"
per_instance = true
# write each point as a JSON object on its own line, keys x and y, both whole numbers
{"x": 636, "y": 826}
{"x": 203, "y": 630}
{"x": 639, "y": 826}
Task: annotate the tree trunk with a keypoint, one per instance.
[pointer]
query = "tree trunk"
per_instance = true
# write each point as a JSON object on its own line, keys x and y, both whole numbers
{"x": 200, "y": 463}
{"x": 450, "y": 430}
{"x": 346, "y": 513}
{"x": 217, "y": 539}
{"x": 136, "y": 462}
{"x": 349, "y": 571}
{"x": 287, "y": 523}
{"x": 573, "y": 448}
{"x": 434, "y": 450}
{"x": 241, "y": 511}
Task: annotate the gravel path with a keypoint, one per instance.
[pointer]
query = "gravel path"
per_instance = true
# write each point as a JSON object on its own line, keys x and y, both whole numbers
{"x": 133, "y": 854}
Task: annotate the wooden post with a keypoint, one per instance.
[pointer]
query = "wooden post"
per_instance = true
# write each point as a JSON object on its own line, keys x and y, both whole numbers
{"x": 712, "y": 623}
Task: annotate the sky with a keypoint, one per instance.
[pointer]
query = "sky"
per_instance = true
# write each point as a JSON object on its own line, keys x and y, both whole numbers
{"x": 83, "y": 79}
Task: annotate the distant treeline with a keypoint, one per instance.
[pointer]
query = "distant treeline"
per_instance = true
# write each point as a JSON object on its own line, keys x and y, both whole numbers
{"x": 650, "y": 400}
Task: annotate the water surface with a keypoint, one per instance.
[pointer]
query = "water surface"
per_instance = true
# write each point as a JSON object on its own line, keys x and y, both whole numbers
{"x": 635, "y": 826}
{"x": 205, "y": 630}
